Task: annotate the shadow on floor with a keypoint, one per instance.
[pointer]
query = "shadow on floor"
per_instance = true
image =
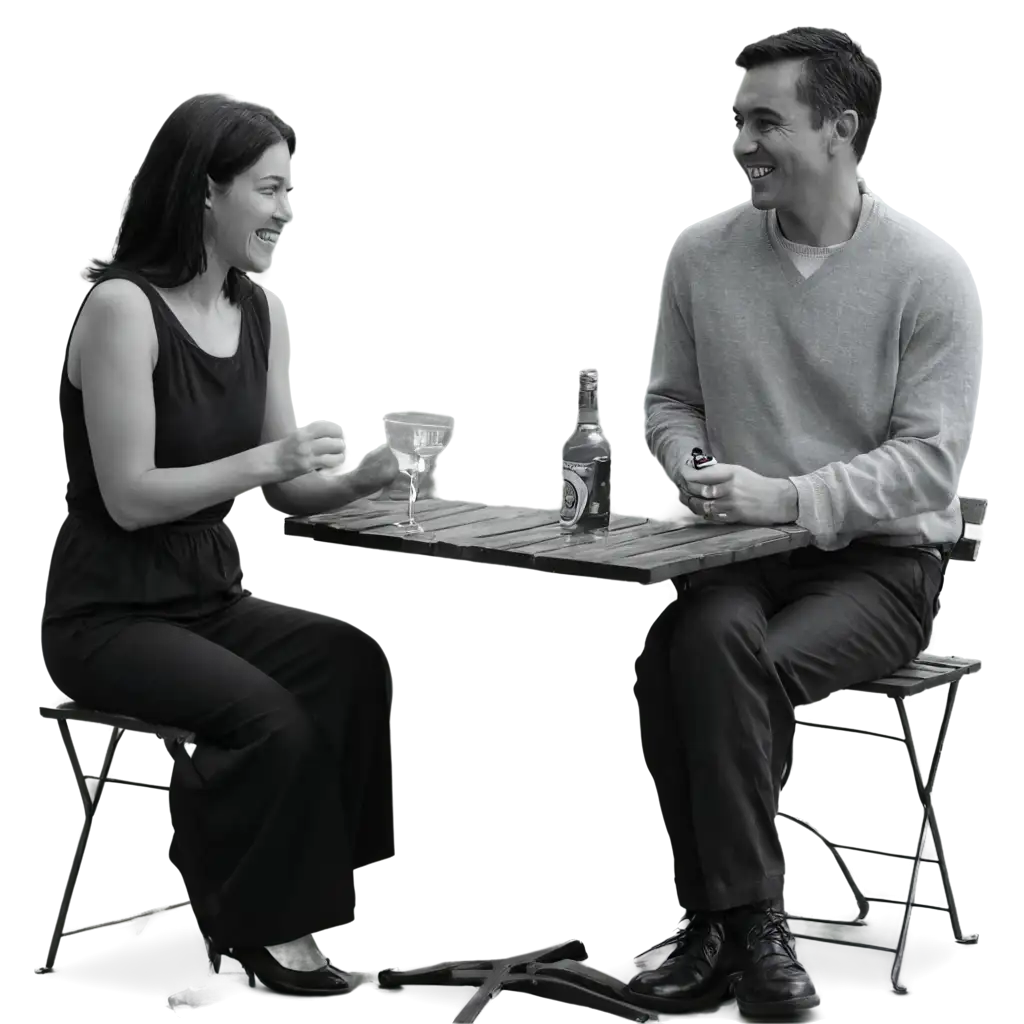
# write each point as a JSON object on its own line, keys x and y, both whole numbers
{"x": 162, "y": 963}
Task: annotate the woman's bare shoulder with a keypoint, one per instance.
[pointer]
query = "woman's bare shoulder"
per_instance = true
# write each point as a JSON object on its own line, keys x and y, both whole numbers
{"x": 117, "y": 318}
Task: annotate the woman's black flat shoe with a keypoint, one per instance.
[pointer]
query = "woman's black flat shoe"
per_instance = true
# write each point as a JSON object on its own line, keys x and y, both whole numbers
{"x": 259, "y": 963}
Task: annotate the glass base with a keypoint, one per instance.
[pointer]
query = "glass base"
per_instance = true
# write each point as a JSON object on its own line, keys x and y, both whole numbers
{"x": 409, "y": 526}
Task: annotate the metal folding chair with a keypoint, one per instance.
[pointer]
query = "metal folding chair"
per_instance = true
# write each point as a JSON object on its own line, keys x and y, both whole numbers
{"x": 92, "y": 742}
{"x": 882, "y": 709}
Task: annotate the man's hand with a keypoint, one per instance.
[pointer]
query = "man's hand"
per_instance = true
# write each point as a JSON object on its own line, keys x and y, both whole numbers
{"x": 733, "y": 494}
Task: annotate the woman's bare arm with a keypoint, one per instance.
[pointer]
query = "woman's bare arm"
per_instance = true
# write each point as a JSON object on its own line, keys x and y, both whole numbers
{"x": 311, "y": 493}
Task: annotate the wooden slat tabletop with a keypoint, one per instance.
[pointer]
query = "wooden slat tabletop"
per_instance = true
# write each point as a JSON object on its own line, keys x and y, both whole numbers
{"x": 634, "y": 549}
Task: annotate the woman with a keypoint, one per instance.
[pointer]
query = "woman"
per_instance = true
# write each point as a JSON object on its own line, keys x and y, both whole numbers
{"x": 175, "y": 398}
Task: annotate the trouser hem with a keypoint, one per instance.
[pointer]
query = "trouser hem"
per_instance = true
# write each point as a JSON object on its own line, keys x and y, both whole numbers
{"x": 769, "y": 888}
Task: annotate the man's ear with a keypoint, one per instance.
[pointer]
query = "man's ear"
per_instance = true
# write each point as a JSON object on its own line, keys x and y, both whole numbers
{"x": 846, "y": 126}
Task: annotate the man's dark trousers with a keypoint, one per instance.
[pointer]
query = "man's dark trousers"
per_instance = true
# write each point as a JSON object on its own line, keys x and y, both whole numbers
{"x": 721, "y": 672}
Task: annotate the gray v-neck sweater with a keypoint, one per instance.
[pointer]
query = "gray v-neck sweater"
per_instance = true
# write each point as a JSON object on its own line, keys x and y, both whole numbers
{"x": 858, "y": 382}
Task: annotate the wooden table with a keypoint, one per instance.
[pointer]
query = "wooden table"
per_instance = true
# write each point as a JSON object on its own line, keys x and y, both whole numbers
{"x": 633, "y": 548}
{"x": 643, "y": 545}
{"x": 644, "y": 551}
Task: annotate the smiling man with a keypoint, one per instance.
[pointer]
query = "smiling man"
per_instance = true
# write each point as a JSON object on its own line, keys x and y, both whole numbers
{"x": 826, "y": 351}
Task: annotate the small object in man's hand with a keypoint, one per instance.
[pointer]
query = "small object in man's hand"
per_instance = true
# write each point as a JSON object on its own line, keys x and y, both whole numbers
{"x": 700, "y": 460}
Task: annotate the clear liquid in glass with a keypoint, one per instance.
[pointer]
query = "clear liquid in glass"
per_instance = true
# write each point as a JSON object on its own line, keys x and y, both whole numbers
{"x": 412, "y": 439}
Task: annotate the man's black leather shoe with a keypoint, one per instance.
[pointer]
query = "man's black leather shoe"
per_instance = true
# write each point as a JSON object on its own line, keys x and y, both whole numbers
{"x": 773, "y": 982}
{"x": 697, "y": 973}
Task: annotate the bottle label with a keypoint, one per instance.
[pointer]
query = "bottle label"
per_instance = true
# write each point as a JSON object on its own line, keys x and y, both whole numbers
{"x": 584, "y": 491}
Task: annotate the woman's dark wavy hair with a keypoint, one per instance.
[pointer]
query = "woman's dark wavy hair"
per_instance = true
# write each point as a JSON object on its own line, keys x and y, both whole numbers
{"x": 161, "y": 233}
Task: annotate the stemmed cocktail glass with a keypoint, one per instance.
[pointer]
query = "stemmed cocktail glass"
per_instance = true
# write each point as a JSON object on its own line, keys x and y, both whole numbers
{"x": 416, "y": 438}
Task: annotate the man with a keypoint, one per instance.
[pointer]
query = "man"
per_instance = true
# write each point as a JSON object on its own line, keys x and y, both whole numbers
{"x": 826, "y": 350}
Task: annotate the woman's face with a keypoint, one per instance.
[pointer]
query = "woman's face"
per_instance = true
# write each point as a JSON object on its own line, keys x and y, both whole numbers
{"x": 245, "y": 219}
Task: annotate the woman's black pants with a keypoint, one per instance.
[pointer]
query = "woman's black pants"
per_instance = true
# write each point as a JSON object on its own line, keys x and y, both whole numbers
{"x": 288, "y": 788}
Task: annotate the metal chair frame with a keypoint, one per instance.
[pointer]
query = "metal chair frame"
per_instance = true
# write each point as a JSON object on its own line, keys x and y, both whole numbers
{"x": 90, "y": 772}
{"x": 923, "y": 673}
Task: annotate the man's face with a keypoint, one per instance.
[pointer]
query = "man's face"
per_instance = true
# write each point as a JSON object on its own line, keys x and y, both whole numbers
{"x": 775, "y": 132}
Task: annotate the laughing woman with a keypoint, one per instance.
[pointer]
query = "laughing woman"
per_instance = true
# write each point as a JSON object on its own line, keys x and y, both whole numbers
{"x": 175, "y": 398}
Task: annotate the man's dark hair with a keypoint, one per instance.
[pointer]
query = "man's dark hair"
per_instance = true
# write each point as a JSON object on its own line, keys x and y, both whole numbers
{"x": 836, "y": 76}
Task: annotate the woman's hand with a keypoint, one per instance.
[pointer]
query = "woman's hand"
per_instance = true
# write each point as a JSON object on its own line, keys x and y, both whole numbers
{"x": 321, "y": 445}
{"x": 376, "y": 470}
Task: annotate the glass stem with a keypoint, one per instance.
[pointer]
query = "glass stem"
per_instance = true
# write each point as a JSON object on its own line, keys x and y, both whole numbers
{"x": 413, "y": 474}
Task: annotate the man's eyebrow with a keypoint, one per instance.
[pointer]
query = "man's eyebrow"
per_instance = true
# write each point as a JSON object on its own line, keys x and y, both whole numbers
{"x": 761, "y": 110}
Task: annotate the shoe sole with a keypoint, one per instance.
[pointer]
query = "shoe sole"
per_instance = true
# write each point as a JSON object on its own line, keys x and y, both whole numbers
{"x": 714, "y": 996}
{"x": 625, "y": 1000}
{"x": 570, "y": 976}
{"x": 778, "y": 1007}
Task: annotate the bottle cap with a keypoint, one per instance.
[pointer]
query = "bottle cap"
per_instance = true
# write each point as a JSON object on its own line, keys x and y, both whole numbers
{"x": 588, "y": 380}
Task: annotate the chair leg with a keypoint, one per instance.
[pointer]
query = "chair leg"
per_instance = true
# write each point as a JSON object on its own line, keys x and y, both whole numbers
{"x": 86, "y": 798}
{"x": 954, "y": 918}
{"x": 896, "y": 975}
{"x": 928, "y": 821}
{"x": 823, "y": 845}
{"x": 962, "y": 935}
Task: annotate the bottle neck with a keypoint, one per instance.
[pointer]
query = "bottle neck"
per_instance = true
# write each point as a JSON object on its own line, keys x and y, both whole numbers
{"x": 587, "y": 406}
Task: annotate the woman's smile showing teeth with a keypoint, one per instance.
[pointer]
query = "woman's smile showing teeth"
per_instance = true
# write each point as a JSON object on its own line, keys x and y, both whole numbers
{"x": 267, "y": 236}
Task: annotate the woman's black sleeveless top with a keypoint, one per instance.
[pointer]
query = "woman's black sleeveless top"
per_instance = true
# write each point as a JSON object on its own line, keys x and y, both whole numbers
{"x": 207, "y": 408}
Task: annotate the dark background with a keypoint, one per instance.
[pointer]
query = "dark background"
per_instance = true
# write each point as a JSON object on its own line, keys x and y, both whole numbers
{"x": 80, "y": 90}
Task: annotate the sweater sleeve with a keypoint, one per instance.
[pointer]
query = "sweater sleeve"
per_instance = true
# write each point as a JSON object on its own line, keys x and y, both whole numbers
{"x": 917, "y": 468}
{"x": 674, "y": 405}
